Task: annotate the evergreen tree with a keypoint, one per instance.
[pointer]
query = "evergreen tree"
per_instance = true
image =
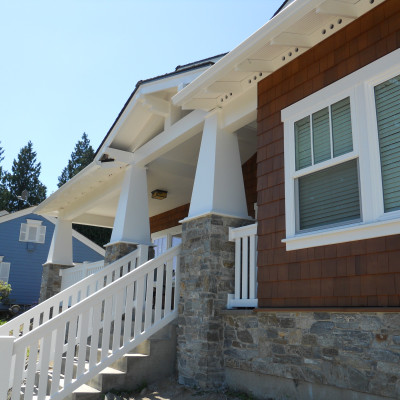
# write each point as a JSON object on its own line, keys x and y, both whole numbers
{"x": 24, "y": 176}
{"x": 4, "y": 193}
{"x": 82, "y": 156}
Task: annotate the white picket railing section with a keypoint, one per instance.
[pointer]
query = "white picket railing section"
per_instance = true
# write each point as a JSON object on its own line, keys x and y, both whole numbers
{"x": 115, "y": 319}
{"x": 60, "y": 302}
{"x": 70, "y": 276}
{"x": 245, "y": 239}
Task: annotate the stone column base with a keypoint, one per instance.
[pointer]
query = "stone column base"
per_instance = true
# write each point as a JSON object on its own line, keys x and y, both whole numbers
{"x": 207, "y": 277}
{"x": 118, "y": 250}
{"x": 51, "y": 280}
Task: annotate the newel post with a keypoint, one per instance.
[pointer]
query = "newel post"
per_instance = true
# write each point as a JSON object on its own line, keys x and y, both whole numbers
{"x": 6, "y": 351}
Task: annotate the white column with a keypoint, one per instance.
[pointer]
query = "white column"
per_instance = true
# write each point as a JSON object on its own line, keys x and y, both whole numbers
{"x": 61, "y": 245}
{"x": 218, "y": 185}
{"x": 132, "y": 223}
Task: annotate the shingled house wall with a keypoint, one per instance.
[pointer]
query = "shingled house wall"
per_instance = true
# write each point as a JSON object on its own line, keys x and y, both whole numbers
{"x": 359, "y": 273}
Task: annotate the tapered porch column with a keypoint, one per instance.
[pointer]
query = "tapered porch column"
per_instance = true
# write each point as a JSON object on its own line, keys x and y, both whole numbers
{"x": 59, "y": 257}
{"x": 207, "y": 257}
{"x": 131, "y": 224}
{"x": 218, "y": 185}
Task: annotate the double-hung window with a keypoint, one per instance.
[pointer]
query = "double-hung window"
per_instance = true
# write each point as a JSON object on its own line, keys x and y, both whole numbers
{"x": 342, "y": 159}
{"x": 4, "y": 270}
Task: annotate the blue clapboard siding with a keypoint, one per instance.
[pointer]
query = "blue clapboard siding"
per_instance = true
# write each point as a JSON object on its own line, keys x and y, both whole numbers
{"x": 27, "y": 258}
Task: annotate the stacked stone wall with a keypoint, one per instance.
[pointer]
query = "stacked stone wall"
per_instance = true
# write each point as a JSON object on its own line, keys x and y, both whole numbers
{"x": 349, "y": 352}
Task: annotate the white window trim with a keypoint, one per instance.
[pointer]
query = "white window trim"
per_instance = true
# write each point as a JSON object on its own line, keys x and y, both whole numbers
{"x": 2, "y": 265}
{"x": 168, "y": 233}
{"x": 359, "y": 86}
{"x": 40, "y": 232}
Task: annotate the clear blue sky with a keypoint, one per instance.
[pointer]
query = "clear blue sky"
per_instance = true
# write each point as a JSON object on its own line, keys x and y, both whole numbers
{"x": 68, "y": 66}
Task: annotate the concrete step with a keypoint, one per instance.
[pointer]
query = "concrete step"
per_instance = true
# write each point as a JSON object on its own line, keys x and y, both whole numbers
{"x": 85, "y": 392}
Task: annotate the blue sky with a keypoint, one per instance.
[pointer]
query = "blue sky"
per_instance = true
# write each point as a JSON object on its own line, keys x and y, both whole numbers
{"x": 68, "y": 66}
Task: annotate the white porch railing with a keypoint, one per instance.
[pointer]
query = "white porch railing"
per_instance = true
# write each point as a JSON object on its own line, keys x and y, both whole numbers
{"x": 70, "y": 276}
{"x": 245, "y": 239}
{"x": 52, "y": 358}
{"x": 57, "y": 304}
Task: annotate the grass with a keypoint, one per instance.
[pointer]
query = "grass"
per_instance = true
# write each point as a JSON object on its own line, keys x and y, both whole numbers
{"x": 2, "y": 322}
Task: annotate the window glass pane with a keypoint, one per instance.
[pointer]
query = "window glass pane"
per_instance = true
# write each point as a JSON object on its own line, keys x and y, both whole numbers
{"x": 32, "y": 231}
{"x": 176, "y": 239}
{"x": 303, "y": 143}
{"x": 329, "y": 196}
{"x": 161, "y": 246}
{"x": 321, "y": 136}
{"x": 387, "y": 98}
{"x": 341, "y": 127}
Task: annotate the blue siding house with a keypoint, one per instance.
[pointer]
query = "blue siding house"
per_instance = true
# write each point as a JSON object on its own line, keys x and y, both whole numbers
{"x": 25, "y": 240}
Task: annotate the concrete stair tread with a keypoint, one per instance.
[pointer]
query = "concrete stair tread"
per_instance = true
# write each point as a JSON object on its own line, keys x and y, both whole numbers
{"x": 111, "y": 371}
{"x": 86, "y": 389}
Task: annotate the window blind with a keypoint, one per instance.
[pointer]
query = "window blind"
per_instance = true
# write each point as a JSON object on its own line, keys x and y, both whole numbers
{"x": 321, "y": 136}
{"x": 329, "y": 196}
{"x": 387, "y": 100}
{"x": 303, "y": 143}
{"x": 341, "y": 127}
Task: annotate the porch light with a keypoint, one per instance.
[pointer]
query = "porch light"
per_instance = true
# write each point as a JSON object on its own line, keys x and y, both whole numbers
{"x": 159, "y": 194}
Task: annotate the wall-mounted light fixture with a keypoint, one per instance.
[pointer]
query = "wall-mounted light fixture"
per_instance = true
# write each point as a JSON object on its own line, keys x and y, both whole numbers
{"x": 159, "y": 194}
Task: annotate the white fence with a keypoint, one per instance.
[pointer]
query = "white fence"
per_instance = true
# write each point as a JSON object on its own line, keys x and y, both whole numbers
{"x": 245, "y": 239}
{"x": 115, "y": 319}
{"x": 70, "y": 276}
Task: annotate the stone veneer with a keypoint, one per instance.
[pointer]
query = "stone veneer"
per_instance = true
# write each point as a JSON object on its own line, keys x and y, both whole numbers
{"x": 118, "y": 250}
{"x": 51, "y": 280}
{"x": 313, "y": 354}
{"x": 207, "y": 277}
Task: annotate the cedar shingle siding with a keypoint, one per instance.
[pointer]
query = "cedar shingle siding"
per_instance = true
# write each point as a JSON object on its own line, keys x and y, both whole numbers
{"x": 360, "y": 273}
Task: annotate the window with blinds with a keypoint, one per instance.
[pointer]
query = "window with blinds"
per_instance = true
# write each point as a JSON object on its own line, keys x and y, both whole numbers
{"x": 331, "y": 195}
{"x": 387, "y": 101}
{"x": 324, "y": 135}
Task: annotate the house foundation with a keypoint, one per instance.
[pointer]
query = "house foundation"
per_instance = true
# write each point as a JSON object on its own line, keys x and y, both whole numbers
{"x": 207, "y": 277}
{"x": 313, "y": 354}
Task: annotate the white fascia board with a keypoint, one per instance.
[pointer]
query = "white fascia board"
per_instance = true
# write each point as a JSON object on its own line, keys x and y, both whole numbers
{"x": 279, "y": 24}
{"x": 80, "y": 237}
{"x": 146, "y": 88}
{"x": 95, "y": 220}
{"x": 17, "y": 214}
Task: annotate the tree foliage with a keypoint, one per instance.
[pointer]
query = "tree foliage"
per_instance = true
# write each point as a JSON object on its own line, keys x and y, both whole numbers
{"x": 82, "y": 156}
{"x": 4, "y": 193}
{"x": 25, "y": 172}
{"x": 5, "y": 290}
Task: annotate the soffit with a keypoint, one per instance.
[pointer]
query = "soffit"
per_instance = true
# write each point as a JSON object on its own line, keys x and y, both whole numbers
{"x": 298, "y": 27}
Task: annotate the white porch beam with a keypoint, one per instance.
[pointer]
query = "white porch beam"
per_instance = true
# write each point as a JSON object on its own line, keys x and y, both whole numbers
{"x": 254, "y": 65}
{"x": 200, "y": 103}
{"x": 345, "y": 10}
{"x": 156, "y": 105}
{"x": 95, "y": 220}
{"x": 218, "y": 185}
{"x": 291, "y": 39}
{"x": 132, "y": 223}
{"x": 178, "y": 133}
{"x": 61, "y": 244}
{"x": 225, "y": 87}
{"x": 125, "y": 157}
{"x": 240, "y": 111}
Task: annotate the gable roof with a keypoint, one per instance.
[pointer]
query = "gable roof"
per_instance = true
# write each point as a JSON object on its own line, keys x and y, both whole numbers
{"x": 31, "y": 210}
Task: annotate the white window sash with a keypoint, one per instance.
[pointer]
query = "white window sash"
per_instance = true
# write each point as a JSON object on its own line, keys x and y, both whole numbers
{"x": 359, "y": 86}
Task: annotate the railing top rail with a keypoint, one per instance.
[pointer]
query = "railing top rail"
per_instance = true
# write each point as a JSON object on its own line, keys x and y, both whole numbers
{"x": 56, "y": 299}
{"x": 241, "y": 231}
{"x": 94, "y": 298}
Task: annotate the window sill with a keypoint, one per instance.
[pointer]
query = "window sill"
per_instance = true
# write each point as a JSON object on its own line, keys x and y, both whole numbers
{"x": 348, "y": 233}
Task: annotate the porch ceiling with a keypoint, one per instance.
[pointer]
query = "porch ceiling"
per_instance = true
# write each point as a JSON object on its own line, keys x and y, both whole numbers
{"x": 299, "y": 26}
{"x": 93, "y": 198}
